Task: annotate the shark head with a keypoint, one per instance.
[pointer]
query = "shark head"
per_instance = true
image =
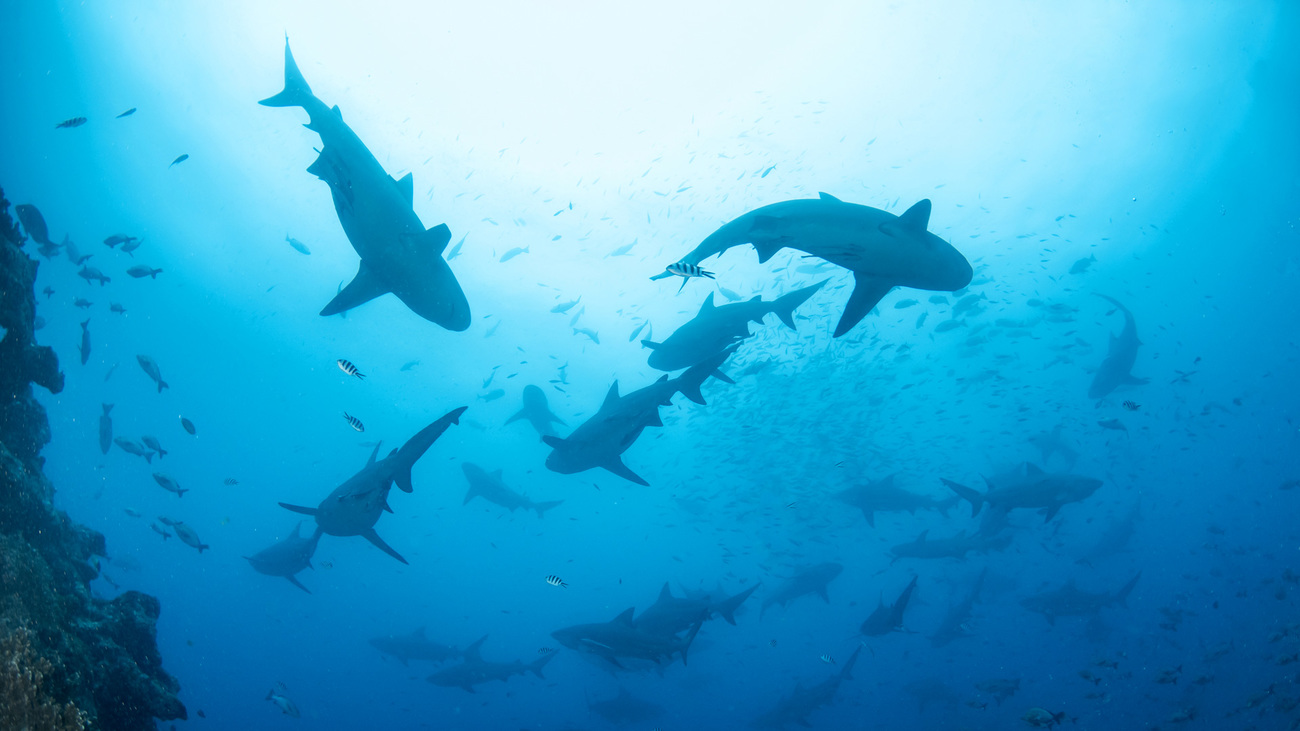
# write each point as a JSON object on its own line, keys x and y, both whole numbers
{"x": 931, "y": 262}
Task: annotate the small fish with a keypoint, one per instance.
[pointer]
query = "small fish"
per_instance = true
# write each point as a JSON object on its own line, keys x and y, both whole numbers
{"x": 686, "y": 271}
{"x": 170, "y": 485}
{"x": 408, "y": 365}
{"x": 545, "y": 650}
{"x": 827, "y": 659}
{"x": 513, "y": 253}
{"x": 116, "y": 239}
{"x": 179, "y": 160}
{"x": 554, "y": 580}
{"x": 131, "y": 512}
{"x": 947, "y": 325}
{"x": 938, "y": 299}
{"x": 493, "y": 395}
{"x": 771, "y": 643}
{"x": 730, "y": 295}
{"x": 1112, "y": 424}
{"x": 564, "y": 307}
{"x": 115, "y": 307}
{"x": 91, "y": 274}
{"x": 142, "y": 271}
{"x": 160, "y": 531}
{"x": 765, "y": 172}
{"x": 152, "y": 443}
{"x": 790, "y": 505}
{"x": 230, "y": 482}
{"x": 591, "y": 334}
{"x": 1081, "y": 266}
{"x": 277, "y": 695}
{"x": 85, "y": 342}
{"x": 621, "y": 251}
{"x": 130, "y": 246}
{"x": 327, "y": 564}
{"x": 298, "y": 246}
{"x": 187, "y": 425}
{"x": 70, "y": 123}
{"x": 1131, "y": 406}
{"x": 977, "y": 704}
{"x": 354, "y": 422}
{"x": 455, "y": 250}
{"x": 83, "y": 304}
{"x": 151, "y": 369}
{"x": 133, "y": 447}
{"x": 127, "y": 113}
{"x": 921, "y": 320}
{"x": 348, "y": 368}
{"x": 637, "y": 331}
{"x": 48, "y": 291}
{"x": 904, "y": 304}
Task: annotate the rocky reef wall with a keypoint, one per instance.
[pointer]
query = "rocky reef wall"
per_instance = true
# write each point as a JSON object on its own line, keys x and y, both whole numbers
{"x": 68, "y": 660}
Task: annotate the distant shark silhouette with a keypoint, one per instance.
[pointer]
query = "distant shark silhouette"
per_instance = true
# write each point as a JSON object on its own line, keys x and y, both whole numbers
{"x": 1071, "y": 601}
{"x": 537, "y": 411}
{"x": 882, "y": 250}
{"x": 397, "y": 254}
{"x": 955, "y": 623}
{"x": 492, "y": 488}
{"x": 414, "y": 646}
{"x": 287, "y": 557}
{"x": 880, "y": 496}
{"x": 888, "y": 617}
{"x": 811, "y": 580}
{"x": 795, "y": 708}
{"x": 474, "y": 670}
{"x": 355, "y": 506}
{"x": 1114, "y": 370}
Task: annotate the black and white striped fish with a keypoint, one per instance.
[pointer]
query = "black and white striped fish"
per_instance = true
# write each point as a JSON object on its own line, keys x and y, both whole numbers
{"x": 354, "y": 422}
{"x": 554, "y": 580}
{"x": 229, "y": 481}
{"x": 826, "y": 658}
{"x": 1131, "y": 406}
{"x": 347, "y": 367}
{"x": 683, "y": 269}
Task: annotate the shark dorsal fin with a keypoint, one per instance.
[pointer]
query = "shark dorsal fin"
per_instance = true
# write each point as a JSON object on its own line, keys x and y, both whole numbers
{"x": 665, "y": 593}
{"x": 471, "y": 653}
{"x": 916, "y": 218}
{"x": 406, "y": 186}
{"x": 337, "y": 112}
{"x": 611, "y": 397}
{"x": 921, "y": 538}
{"x": 1033, "y": 470}
{"x": 829, "y": 197}
{"x": 625, "y": 617}
{"x": 374, "y": 453}
{"x": 295, "y": 529}
{"x": 708, "y": 304}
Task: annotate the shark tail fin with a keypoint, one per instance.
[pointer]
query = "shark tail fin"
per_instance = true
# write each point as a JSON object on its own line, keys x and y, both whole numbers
{"x": 1122, "y": 596}
{"x": 785, "y": 305}
{"x": 535, "y": 667}
{"x": 296, "y": 91}
{"x": 846, "y": 672}
{"x": 728, "y": 608}
{"x": 541, "y": 508}
{"x": 967, "y": 493}
{"x": 417, "y": 445}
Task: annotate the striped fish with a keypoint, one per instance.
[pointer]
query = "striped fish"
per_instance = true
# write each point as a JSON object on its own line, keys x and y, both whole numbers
{"x": 70, "y": 123}
{"x": 554, "y": 580}
{"x": 828, "y": 659}
{"x": 347, "y": 367}
{"x": 686, "y": 271}
{"x": 354, "y": 422}
{"x": 1131, "y": 406}
{"x": 229, "y": 481}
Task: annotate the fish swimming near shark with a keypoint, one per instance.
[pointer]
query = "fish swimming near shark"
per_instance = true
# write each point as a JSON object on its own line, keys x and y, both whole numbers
{"x": 1115, "y": 370}
{"x": 888, "y": 617}
{"x": 882, "y": 250}
{"x": 620, "y": 639}
{"x": 1029, "y": 487}
{"x": 415, "y": 646}
{"x": 537, "y": 411}
{"x": 882, "y": 496}
{"x": 716, "y": 328}
{"x": 354, "y": 507}
{"x": 287, "y": 556}
{"x": 491, "y": 487}
{"x": 474, "y": 670}
{"x": 795, "y": 708}
{"x": 1071, "y": 601}
{"x": 810, "y": 580}
{"x": 398, "y": 254}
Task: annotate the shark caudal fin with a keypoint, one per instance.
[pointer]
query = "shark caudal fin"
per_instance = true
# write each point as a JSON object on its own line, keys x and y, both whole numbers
{"x": 727, "y": 609}
{"x": 967, "y": 493}
{"x": 1121, "y": 597}
{"x": 688, "y": 384}
{"x": 296, "y": 91}
{"x": 365, "y": 286}
{"x": 417, "y": 445}
{"x": 867, "y": 293}
{"x": 535, "y": 667}
{"x": 785, "y": 305}
{"x": 541, "y": 508}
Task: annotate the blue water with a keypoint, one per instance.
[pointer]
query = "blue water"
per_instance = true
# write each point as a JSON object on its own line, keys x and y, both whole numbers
{"x": 1160, "y": 139}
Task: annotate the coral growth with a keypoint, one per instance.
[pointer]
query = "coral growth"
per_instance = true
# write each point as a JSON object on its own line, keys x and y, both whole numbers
{"x": 25, "y": 702}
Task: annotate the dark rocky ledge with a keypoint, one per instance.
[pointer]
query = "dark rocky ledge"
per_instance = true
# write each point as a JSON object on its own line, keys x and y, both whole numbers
{"x": 68, "y": 660}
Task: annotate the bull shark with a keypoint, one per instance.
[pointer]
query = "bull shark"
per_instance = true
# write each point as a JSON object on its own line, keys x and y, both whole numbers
{"x": 888, "y": 617}
{"x": 1029, "y": 487}
{"x": 955, "y": 547}
{"x": 1050, "y": 443}
{"x": 1071, "y": 601}
{"x": 796, "y": 707}
{"x": 1114, "y": 370}
{"x": 354, "y": 507}
{"x": 714, "y": 328}
{"x": 812, "y": 580}
{"x": 397, "y": 254}
{"x": 414, "y": 646}
{"x": 625, "y": 708}
{"x": 537, "y": 412}
{"x": 881, "y": 496}
{"x": 474, "y": 670}
{"x": 287, "y": 557}
{"x": 954, "y": 624}
{"x": 601, "y": 440}
{"x": 490, "y": 487}
{"x": 622, "y": 638}
{"x": 671, "y": 615}
{"x": 882, "y": 250}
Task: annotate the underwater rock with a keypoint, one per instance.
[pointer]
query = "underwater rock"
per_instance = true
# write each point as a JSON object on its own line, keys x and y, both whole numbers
{"x": 68, "y": 660}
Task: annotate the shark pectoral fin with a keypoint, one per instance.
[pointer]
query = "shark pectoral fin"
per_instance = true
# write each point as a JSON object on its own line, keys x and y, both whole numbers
{"x": 373, "y": 537}
{"x": 822, "y": 593}
{"x": 553, "y": 442}
{"x": 523, "y": 413}
{"x": 1051, "y": 513}
{"x": 654, "y": 419}
{"x": 870, "y": 515}
{"x": 294, "y": 580}
{"x": 867, "y": 293}
{"x": 649, "y": 344}
{"x": 298, "y": 509}
{"x": 617, "y": 467}
{"x": 363, "y": 288}
{"x": 406, "y": 186}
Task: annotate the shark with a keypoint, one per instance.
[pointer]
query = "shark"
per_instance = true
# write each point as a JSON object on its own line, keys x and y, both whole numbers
{"x": 1115, "y": 539}
{"x": 888, "y": 617}
{"x": 621, "y": 638}
{"x": 491, "y": 487}
{"x": 1071, "y": 601}
{"x": 954, "y": 622}
{"x": 537, "y": 412}
{"x": 1030, "y": 487}
{"x": 1114, "y": 371}
{"x": 795, "y": 708}
{"x": 670, "y": 615}
{"x": 354, "y": 507}
{"x": 625, "y": 708}
{"x": 882, "y": 250}
{"x": 880, "y": 496}
{"x": 811, "y": 580}
{"x": 414, "y": 646}
{"x": 287, "y": 557}
{"x": 716, "y": 328}
{"x": 955, "y": 547}
{"x": 474, "y": 670}
{"x": 601, "y": 440}
{"x": 398, "y": 254}
{"x": 1000, "y": 688}
{"x": 1050, "y": 443}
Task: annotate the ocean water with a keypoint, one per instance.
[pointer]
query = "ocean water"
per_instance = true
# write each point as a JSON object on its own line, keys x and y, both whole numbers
{"x": 1159, "y": 138}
